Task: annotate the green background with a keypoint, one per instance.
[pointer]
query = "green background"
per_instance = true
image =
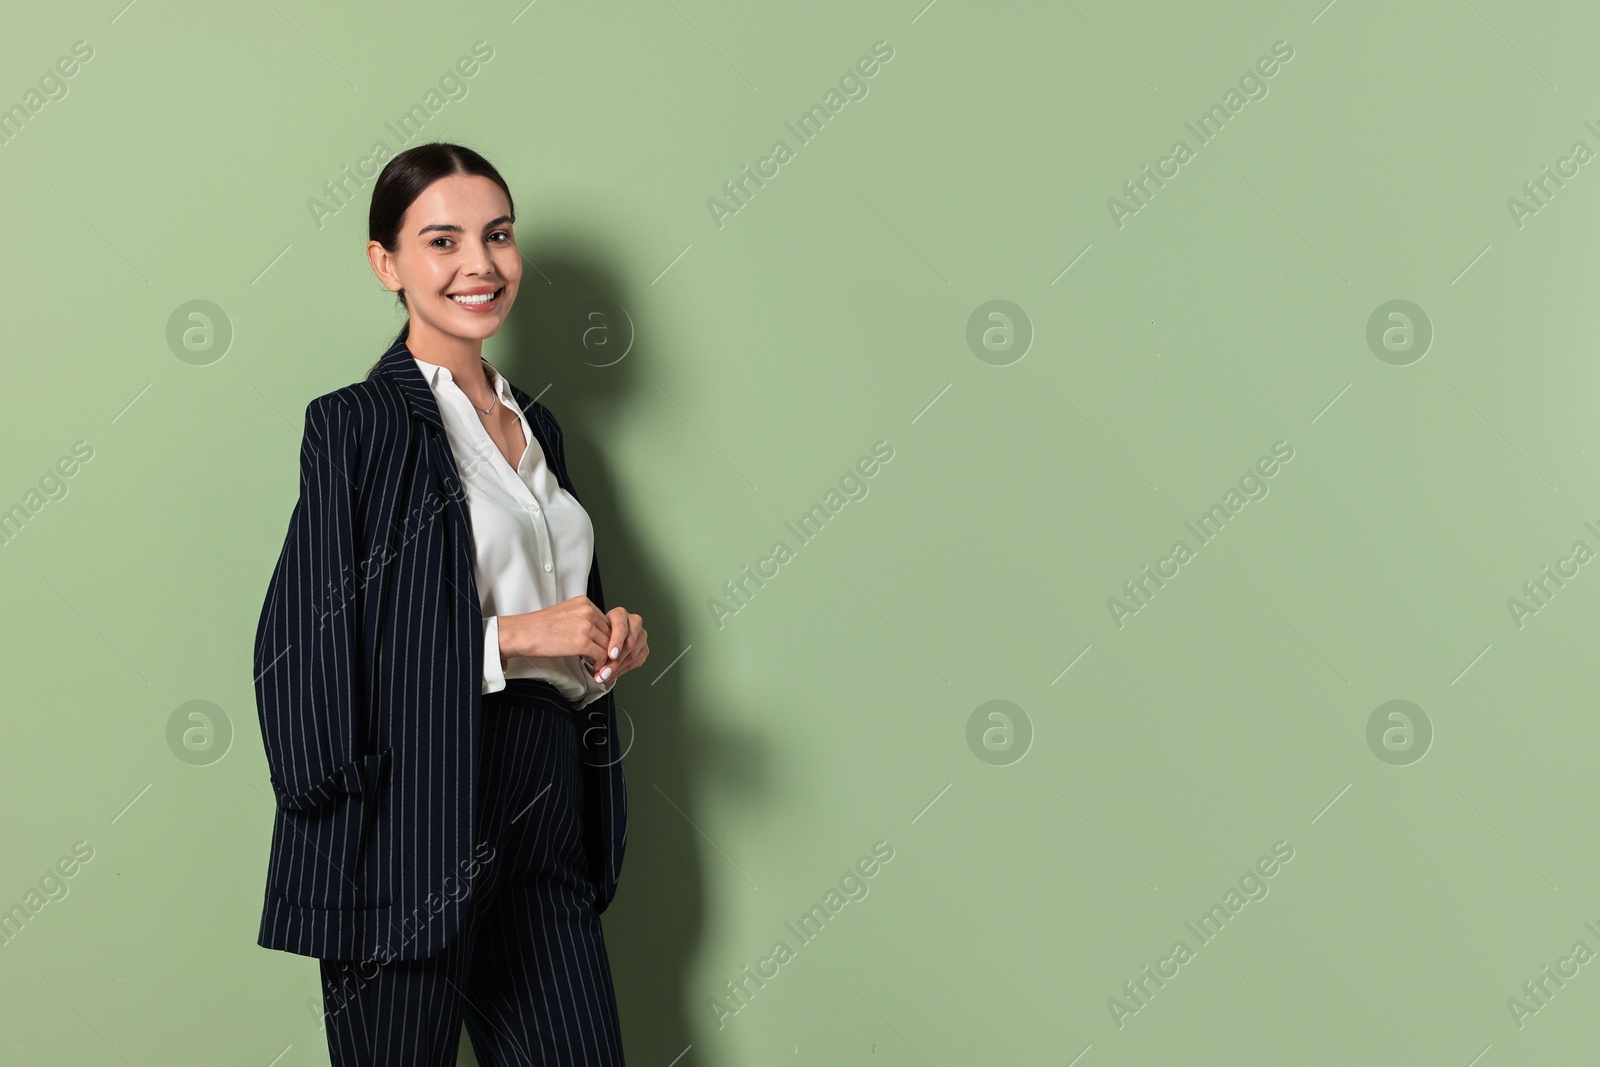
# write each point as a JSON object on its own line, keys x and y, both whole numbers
{"x": 1038, "y": 870}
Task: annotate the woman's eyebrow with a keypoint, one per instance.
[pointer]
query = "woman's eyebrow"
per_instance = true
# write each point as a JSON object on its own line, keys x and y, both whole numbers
{"x": 450, "y": 227}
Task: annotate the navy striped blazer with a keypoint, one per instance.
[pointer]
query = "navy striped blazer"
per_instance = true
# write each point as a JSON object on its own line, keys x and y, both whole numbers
{"x": 369, "y": 671}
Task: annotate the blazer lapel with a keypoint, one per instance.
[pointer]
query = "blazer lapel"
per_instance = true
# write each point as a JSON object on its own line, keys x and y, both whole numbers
{"x": 399, "y": 366}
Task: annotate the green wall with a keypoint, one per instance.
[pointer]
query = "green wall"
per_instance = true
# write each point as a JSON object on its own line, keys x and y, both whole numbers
{"x": 1341, "y": 317}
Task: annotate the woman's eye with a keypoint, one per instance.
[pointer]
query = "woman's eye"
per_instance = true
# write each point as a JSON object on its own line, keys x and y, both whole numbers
{"x": 501, "y": 233}
{"x": 436, "y": 241}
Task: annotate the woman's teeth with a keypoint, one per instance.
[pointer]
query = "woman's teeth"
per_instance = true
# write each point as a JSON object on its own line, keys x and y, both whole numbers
{"x": 481, "y": 298}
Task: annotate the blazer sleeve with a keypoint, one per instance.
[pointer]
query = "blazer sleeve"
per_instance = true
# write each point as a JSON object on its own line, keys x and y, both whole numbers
{"x": 308, "y": 641}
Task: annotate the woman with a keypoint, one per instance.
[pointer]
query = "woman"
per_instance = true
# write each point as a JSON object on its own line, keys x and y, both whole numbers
{"x": 434, "y": 675}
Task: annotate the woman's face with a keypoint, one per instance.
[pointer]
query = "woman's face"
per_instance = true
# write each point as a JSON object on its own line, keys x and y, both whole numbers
{"x": 456, "y": 240}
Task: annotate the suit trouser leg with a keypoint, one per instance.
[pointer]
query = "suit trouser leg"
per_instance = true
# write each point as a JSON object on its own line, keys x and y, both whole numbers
{"x": 539, "y": 989}
{"x": 402, "y": 1013}
{"x": 528, "y": 972}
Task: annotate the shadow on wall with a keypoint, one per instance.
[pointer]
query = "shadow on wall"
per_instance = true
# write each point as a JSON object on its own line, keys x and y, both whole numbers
{"x": 575, "y": 345}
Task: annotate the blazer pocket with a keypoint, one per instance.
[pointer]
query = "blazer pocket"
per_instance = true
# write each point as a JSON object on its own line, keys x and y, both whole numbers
{"x": 333, "y": 845}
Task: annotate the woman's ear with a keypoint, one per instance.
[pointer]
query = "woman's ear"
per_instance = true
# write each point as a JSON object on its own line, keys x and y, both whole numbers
{"x": 382, "y": 265}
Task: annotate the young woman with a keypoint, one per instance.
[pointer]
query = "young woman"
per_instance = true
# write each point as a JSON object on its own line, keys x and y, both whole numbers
{"x": 434, "y": 673}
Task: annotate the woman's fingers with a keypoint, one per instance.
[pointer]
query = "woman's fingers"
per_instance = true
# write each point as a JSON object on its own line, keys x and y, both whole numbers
{"x": 620, "y": 633}
{"x": 636, "y": 647}
{"x": 616, "y": 629}
{"x": 636, "y": 640}
{"x": 601, "y": 666}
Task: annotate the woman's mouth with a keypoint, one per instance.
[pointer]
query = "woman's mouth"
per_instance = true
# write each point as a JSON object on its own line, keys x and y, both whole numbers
{"x": 479, "y": 302}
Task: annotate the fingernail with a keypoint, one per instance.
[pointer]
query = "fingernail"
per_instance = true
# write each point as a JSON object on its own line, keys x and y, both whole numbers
{"x": 613, "y": 653}
{"x": 605, "y": 674}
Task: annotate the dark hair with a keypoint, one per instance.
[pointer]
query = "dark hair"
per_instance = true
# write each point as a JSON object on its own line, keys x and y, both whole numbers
{"x": 405, "y": 177}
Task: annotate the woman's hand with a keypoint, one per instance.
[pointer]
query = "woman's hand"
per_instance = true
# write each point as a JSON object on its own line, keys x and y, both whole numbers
{"x": 575, "y": 627}
{"x": 628, "y": 647}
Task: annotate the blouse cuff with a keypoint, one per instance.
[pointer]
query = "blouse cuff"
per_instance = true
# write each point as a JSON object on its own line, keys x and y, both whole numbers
{"x": 494, "y": 675}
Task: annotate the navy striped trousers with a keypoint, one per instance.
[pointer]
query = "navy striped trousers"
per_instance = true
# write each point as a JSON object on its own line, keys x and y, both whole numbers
{"x": 527, "y": 973}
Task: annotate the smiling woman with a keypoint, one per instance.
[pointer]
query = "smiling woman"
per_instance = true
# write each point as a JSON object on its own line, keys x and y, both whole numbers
{"x": 418, "y": 714}
{"x": 464, "y": 261}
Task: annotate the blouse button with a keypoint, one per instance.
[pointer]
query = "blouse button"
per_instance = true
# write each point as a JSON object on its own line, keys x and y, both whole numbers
{"x": 547, "y": 566}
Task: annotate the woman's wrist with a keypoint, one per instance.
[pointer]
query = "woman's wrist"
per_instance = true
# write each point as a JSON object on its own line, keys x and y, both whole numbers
{"x": 507, "y": 632}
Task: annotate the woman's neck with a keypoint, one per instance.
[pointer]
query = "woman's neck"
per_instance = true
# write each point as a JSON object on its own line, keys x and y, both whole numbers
{"x": 461, "y": 356}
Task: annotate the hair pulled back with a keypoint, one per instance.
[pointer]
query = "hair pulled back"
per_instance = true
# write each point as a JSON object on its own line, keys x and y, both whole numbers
{"x": 404, "y": 178}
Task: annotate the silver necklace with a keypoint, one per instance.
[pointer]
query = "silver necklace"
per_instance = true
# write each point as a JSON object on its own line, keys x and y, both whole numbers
{"x": 494, "y": 398}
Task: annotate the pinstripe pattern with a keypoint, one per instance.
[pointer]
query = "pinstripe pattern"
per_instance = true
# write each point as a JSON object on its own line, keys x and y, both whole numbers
{"x": 528, "y": 973}
{"x": 368, "y": 663}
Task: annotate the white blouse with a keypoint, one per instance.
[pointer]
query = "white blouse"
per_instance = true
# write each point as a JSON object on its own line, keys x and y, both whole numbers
{"x": 532, "y": 540}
